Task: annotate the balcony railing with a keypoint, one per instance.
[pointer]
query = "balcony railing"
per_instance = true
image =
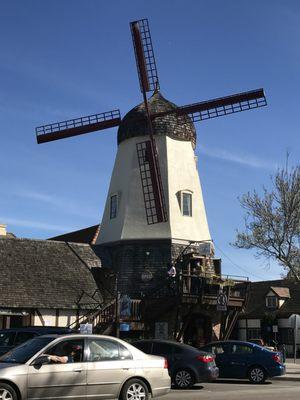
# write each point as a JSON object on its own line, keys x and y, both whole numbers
{"x": 205, "y": 288}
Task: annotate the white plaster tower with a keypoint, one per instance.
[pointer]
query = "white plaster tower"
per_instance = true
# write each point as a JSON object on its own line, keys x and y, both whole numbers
{"x": 125, "y": 217}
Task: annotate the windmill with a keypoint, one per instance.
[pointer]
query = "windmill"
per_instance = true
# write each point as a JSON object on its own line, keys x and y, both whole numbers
{"x": 147, "y": 154}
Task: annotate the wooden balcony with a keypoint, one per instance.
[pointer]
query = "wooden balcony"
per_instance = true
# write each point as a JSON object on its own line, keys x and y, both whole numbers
{"x": 204, "y": 289}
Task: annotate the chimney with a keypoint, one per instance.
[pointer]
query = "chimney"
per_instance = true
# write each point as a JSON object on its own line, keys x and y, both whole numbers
{"x": 2, "y": 230}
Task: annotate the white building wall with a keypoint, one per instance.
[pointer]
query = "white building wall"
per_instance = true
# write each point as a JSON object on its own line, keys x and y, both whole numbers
{"x": 178, "y": 172}
{"x": 183, "y": 176}
{"x": 46, "y": 315}
{"x": 65, "y": 318}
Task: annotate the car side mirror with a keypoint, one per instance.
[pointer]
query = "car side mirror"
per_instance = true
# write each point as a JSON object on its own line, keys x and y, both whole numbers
{"x": 41, "y": 360}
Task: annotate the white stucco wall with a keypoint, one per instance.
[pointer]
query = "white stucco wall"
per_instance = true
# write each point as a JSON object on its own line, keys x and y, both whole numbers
{"x": 178, "y": 172}
{"x": 66, "y": 317}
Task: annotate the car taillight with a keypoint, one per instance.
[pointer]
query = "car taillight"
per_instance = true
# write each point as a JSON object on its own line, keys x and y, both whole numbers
{"x": 206, "y": 358}
{"x": 166, "y": 365}
{"x": 276, "y": 358}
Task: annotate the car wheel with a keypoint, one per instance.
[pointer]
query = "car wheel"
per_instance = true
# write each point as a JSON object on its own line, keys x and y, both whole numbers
{"x": 135, "y": 389}
{"x": 7, "y": 392}
{"x": 183, "y": 379}
{"x": 256, "y": 375}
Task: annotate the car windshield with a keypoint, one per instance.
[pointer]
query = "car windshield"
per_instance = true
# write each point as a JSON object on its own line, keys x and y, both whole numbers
{"x": 25, "y": 351}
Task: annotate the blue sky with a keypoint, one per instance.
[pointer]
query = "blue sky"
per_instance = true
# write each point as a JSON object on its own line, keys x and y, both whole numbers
{"x": 61, "y": 59}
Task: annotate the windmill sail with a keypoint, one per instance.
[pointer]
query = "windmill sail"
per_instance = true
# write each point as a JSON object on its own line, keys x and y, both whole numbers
{"x": 77, "y": 126}
{"x": 144, "y": 55}
{"x": 224, "y": 105}
{"x": 153, "y": 198}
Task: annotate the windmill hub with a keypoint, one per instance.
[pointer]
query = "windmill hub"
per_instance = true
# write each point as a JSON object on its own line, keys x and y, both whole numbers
{"x": 135, "y": 122}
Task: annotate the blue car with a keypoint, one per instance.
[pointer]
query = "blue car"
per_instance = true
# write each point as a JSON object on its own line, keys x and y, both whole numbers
{"x": 240, "y": 360}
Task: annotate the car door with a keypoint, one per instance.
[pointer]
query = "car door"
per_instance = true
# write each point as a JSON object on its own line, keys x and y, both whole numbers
{"x": 110, "y": 364}
{"x": 221, "y": 350}
{"x": 239, "y": 359}
{"x": 57, "y": 380}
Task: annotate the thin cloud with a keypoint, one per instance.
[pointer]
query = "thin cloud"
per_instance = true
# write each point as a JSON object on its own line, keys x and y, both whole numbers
{"x": 61, "y": 203}
{"x": 248, "y": 160}
{"x": 36, "y": 224}
{"x": 38, "y": 73}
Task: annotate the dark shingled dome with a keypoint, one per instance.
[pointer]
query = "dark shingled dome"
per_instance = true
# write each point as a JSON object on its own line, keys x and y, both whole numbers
{"x": 177, "y": 127}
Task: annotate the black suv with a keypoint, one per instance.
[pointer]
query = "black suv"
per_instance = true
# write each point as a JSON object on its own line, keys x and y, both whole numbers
{"x": 10, "y": 338}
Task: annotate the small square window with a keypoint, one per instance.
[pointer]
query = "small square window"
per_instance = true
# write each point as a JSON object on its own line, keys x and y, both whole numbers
{"x": 113, "y": 206}
{"x": 271, "y": 302}
{"x": 186, "y": 205}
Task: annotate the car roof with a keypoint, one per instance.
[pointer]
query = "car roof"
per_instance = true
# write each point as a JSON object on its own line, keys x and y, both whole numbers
{"x": 38, "y": 329}
{"x": 229, "y": 342}
{"x": 169, "y": 342}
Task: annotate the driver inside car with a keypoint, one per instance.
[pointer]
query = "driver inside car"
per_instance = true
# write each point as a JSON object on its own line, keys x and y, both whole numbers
{"x": 71, "y": 354}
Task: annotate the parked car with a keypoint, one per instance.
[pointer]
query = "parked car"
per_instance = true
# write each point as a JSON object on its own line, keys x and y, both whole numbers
{"x": 100, "y": 367}
{"x": 237, "y": 359}
{"x": 10, "y": 338}
{"x": 187, "y": 365}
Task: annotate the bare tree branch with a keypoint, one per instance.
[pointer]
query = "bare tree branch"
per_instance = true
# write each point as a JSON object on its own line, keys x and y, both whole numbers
{"x": 272, "y": 221}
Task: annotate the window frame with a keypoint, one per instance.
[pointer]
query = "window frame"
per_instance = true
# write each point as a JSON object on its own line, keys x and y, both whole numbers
{"x": 115, "y": 214}
{"x": 190, "y": 194}
{"x": 119, "y": 345}
{"x": 269, "y": 305}
{"x": 82, "y": 339}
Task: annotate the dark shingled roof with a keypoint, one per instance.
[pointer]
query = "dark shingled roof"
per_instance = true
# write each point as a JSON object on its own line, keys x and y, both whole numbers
{"x": 47, "y": 274}
{"x": 256, "y": 307}
{"x": 86, "y": 235}
{"x": 177, "y": 127}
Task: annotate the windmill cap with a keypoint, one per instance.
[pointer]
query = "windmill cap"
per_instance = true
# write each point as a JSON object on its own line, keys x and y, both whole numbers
{"x": 135, "y": 124}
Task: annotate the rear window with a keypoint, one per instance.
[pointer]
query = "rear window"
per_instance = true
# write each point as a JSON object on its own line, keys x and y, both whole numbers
{"x": 161, "y": 348}
{"x": 143, "y": 346}
{"x": 7, "y": 338}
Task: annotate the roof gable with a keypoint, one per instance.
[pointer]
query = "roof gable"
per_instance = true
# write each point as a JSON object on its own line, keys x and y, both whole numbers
{"x": 283, "y": 292}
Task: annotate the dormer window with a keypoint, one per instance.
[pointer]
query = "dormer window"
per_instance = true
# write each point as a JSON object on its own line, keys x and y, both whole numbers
{"x": 277, "y": 296}
{"x": 272, "y": 302}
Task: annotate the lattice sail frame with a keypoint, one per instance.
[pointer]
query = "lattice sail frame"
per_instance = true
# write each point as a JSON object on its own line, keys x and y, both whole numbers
{"x": 144, "y": 55}
{"x": 154, "y": 213}
{"x": 224, "y": 105}
{"x": 77, "y": 126}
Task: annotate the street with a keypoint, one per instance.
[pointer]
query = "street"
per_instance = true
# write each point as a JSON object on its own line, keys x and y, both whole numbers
{"x": 243, "y": 390}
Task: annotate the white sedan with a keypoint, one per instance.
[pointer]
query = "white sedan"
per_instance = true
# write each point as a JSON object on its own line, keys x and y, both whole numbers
{"x": 82, "y": 367}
